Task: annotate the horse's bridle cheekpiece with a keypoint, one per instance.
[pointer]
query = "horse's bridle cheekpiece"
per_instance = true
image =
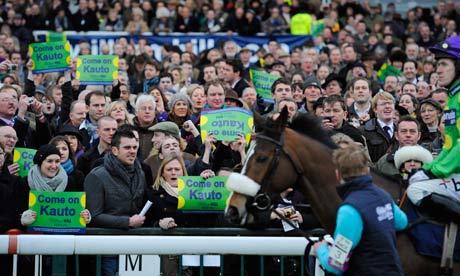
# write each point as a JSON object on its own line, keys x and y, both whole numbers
{"x": 262, "y": 201}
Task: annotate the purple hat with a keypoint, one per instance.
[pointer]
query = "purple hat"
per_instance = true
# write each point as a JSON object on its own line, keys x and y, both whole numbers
{"x": 449, "y": 48}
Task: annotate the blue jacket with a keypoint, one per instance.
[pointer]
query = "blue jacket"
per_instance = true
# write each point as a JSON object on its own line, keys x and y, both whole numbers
{"x": 368, "y": 218}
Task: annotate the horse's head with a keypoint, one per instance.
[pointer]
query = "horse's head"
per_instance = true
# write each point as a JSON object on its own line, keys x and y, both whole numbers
{"x": 268, "y": 170}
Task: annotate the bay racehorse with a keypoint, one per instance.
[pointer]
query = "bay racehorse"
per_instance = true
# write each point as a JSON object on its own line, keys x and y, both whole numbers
{"x": 300, "y": 157}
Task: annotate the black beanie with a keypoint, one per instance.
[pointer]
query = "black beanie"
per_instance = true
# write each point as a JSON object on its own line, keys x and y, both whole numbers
{"x": 43, "y": 152}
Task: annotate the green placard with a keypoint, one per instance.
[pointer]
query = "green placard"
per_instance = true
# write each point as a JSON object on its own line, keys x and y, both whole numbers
{"x": 99, "y": 70}
{"x": 199, "y": 194}
{"x": 50, "y": 56}
{"x": 25, "y": 159}
{"x": 58, "y": 212}
{"x": 225, "y": 124}
{"x": 263, "y": 84}
{"x": 55, "y": 36}
{"x": 388, "y": 70}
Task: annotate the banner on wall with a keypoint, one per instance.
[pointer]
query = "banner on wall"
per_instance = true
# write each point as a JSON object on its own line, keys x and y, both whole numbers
{"x": 199, "y": 41}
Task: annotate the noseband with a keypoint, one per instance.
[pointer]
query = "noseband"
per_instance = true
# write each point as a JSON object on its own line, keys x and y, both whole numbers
{"x": 262, "y": 200}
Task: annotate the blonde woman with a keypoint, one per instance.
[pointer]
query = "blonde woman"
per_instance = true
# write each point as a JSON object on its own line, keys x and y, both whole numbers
{"x": 164, "y": 198}
{"x": 117, "y": 110}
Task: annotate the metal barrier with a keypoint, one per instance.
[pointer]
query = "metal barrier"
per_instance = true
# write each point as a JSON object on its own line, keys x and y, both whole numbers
{"x": 154, "y": 241}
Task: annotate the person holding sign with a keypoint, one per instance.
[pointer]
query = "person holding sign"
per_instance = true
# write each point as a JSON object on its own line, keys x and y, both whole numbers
{"x": 48, "y": 175}
{"x": 367, "y": 221}
{"x": 164, "y": 197}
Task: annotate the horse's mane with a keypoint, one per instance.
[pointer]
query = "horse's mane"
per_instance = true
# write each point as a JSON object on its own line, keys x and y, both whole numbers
{"x": 309, "y": 125}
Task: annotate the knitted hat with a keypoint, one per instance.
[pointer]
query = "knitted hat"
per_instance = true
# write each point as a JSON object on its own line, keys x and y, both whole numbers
{"x": 407, "y": 153}
{"x": 179, "y": 97}
{"x": 45, "y": 151}
{"x": 312, "y": 81}
{"x": 168, "y": 128}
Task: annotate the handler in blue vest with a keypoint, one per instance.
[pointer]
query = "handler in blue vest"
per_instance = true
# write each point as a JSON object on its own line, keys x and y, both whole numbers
{"x": 364, "y": 238}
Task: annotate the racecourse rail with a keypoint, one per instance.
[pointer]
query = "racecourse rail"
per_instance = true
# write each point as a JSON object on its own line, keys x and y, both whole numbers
{"x": 154, "y": 241}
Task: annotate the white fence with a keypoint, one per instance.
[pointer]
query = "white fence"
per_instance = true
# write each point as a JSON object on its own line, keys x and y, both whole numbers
{"x": 153, "y": 245}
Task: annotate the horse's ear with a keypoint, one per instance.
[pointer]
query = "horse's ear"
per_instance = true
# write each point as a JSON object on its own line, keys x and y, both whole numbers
{"x": 282, "y": 119}
{"x": 259, "y": 121}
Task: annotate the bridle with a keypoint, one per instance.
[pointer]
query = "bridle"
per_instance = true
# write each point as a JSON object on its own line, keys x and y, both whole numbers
{"x": 262, "y": 200}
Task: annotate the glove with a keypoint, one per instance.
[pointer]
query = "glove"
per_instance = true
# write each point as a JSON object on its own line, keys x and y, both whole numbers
{"x": 421, "y": 175}
{"x": 167, "y": 223}
{"x": 28, "y": 217}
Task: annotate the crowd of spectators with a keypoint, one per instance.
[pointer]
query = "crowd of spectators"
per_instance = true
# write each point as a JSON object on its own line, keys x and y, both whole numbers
{"x": 130, "y": 141}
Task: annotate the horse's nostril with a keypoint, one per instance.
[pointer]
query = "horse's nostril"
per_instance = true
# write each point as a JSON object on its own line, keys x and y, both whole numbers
{"x": 232, "y": 215}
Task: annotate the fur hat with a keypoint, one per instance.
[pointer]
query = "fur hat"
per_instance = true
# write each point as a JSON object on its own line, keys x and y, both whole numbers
{"x": 407, "y": 153}
{"x": 168, "y": 128}
{"x": 45, "y": 151}
{"x": 179, "y": 97}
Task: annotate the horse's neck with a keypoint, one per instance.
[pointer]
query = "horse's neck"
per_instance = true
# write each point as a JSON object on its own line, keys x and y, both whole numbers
{"x": 318, "y": 184}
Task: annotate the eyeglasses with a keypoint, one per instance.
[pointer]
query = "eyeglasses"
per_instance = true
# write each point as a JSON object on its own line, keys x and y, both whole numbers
{"x": 11, "y": 137}
{"x": 7, "y": 100}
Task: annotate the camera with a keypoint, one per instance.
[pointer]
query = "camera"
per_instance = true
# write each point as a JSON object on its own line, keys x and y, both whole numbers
{"x": 31, "y": 100}
{"x": 12, "y": 67}
{"x": 327, "y": 119}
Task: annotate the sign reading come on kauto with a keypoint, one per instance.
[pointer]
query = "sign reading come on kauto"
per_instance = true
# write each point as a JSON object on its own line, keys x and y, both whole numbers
{"x": 58, "y": 212}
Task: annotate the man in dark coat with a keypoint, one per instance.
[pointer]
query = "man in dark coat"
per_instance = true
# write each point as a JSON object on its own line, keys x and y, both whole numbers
{"x": 379, "y": 131}
{"x": 335, "y": 112}
{"x": 85, "y": 19}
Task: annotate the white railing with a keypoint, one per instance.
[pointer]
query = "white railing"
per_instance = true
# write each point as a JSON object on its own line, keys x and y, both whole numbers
{"x": 152, "y": 245}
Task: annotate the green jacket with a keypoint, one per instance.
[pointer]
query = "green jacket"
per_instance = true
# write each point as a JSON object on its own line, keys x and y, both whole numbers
{"x": 301, "y": 24}
{"x": 448, "y": 161}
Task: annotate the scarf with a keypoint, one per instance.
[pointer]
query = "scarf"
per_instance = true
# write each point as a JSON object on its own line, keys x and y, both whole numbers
{"x": 149, "y": 83}
{"x": 133, "y": 176}
{"x": 68, "y": 166}
{"x": 40, "y": 183}
{"x": 168, "y": 188}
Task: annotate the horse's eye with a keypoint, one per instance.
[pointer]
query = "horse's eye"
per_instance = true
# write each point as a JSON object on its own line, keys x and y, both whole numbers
{"x": 261, "y": 159}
